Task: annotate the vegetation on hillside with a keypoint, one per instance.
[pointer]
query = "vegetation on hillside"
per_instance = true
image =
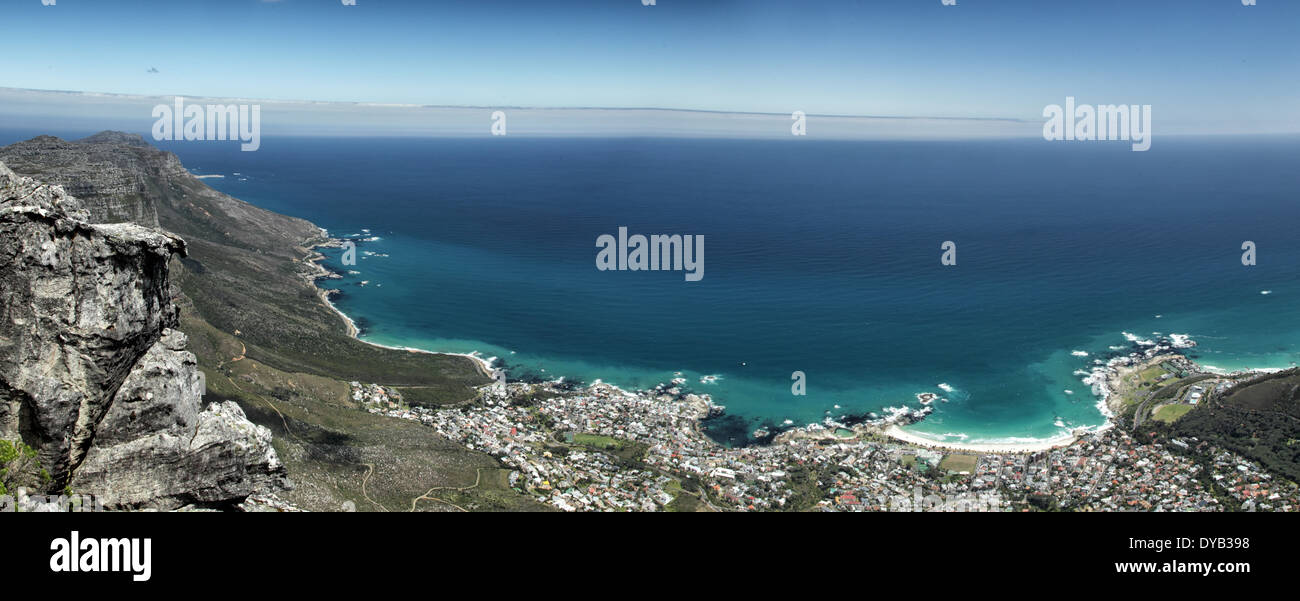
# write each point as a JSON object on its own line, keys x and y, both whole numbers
{"x": 19, "y": 467}
{"x": 1259, "y": 419}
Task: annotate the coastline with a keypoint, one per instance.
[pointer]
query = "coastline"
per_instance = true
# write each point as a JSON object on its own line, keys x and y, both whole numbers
{"x": 898, "y": 433}
{"x": 1107, "y": 383}
{"x": 353, "y": 331}
{"x": 318, "y": 272}
{"x": 892, "y": 431}
{"x": 1105, "y": 380}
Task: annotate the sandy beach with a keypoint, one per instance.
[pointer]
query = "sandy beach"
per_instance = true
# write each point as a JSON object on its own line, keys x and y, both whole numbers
{"x": 325, "y": 298}
{"x": 898, "y": 433}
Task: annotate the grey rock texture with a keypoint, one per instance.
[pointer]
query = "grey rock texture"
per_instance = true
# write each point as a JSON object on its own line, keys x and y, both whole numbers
{"x": 92, "y": 373}
{"x": 122, "y": 188}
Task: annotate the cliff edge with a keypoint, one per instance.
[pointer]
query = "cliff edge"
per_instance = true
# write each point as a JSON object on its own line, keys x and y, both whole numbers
{"x": 93, "y": 373}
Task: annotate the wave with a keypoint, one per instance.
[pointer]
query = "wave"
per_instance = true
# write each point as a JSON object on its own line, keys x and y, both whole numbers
{"x": 1135, "y": 339}
{"x": 1025, "y": 440}
{"x": 1181, "y": 340}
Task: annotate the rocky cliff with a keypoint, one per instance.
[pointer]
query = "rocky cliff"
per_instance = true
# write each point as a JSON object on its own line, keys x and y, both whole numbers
{"x": 93, "y": 373}
{"x": 125, "y": 187}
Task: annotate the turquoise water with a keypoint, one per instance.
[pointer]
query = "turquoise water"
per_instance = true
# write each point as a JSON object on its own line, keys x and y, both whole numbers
{"x": 821, "y": 257}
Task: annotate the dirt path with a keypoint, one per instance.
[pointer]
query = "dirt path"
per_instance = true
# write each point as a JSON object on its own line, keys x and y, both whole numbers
{"x": 370, "y": 469}
{"x": 478, "y": 477}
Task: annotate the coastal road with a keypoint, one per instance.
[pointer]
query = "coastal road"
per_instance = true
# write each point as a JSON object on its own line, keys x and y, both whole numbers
{"x": 1137, "y": 416}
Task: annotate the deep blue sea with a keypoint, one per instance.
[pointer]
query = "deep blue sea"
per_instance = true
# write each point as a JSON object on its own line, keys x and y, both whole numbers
{"x": 820, "y": 257}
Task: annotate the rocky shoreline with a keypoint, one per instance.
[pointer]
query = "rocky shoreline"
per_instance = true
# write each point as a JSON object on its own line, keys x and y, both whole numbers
{"x": 316, "y": 272}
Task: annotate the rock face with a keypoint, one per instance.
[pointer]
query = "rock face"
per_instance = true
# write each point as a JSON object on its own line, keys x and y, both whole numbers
{"x": 112, "y": 186}
{"x": 92, "y": 373}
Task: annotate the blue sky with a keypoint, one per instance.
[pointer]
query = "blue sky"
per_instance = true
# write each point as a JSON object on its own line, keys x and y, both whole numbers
{"x": 1214, "y": 60}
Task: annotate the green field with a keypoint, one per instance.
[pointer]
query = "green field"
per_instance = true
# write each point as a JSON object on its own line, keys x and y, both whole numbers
{"x": 1150, "y": 376}
{"x": 598, "y": 441}
{"x": 1169, "y": 413}
{"x": 958, "y": 463}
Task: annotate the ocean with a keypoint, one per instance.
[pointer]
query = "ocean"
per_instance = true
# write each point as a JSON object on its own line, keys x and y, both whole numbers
{"x": 820, "y": 257}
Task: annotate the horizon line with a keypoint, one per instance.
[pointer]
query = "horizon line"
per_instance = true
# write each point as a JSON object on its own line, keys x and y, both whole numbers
{"x": 374, "y": 104}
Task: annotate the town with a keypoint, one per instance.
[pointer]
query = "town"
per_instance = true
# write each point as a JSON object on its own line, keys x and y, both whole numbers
{"x": 600, "y": 448}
